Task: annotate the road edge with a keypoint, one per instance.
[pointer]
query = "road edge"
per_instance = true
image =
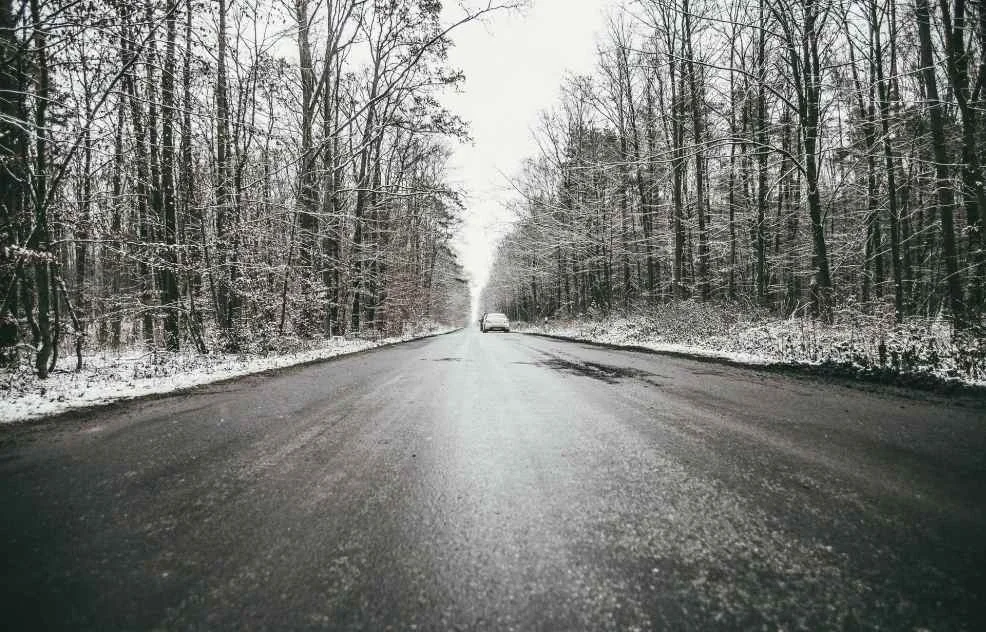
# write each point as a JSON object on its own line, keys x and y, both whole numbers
{"x": 912, "y": 386}
{"x": 89, "y": 409}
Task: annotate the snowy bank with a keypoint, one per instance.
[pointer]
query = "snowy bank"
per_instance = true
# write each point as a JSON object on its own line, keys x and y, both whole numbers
{"x": 916, "y": 353}
{"x": 112, "y": 377}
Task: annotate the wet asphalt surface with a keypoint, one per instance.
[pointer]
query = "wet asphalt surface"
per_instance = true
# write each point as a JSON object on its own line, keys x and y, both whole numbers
{"x": 497, "y": 482}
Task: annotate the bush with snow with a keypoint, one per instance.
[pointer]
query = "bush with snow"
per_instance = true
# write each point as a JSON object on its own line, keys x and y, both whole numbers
{"x": 128, "y": 373}
{"x": 859, "y": 343}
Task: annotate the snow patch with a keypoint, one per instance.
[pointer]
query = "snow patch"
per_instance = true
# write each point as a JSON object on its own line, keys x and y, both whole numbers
{"x": 113, "y": 377}
{"x": 859, "y": 343}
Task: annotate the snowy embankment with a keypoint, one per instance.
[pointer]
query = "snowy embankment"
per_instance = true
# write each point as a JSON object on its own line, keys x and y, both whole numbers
{"x": 916, "y": 353}
{"x": 111, "y": 377}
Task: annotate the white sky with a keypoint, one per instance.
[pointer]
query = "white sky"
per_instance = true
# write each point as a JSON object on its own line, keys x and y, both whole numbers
{"x": 514, "y": 64}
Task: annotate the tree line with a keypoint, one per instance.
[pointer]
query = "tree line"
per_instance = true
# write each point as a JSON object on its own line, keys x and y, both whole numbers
{"x": 798, "y": 156}
{"x": 220, "y": 174}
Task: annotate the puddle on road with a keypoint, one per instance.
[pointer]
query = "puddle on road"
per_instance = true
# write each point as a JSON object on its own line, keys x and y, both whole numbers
{"x": 597, "y": 371}
{"x": 708, "y": 372}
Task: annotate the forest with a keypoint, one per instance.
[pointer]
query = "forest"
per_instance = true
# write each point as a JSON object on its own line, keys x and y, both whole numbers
{"x": 800, "y": 158}
{"x": 222, "y": 175}
{"x": 234, "y": 175}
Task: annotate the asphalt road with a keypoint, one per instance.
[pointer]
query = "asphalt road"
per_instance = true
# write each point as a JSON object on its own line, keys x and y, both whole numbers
{"x": 496, "y": 482}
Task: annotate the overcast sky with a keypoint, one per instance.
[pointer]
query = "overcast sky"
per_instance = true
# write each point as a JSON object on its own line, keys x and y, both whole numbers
{"x": 514, "y": 64}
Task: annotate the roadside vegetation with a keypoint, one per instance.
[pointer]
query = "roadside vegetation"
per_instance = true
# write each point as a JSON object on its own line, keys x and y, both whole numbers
{"x": 923, "y": 354}
{"x": 797, "y": 180}
{"x": 220, "y": 177}
{"x": 117, "y": 375}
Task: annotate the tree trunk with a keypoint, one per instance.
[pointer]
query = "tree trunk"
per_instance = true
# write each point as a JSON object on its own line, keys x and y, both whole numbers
{"x": 14, "y": 224}
{"x": 761, "y": 132}
{"x": 943, "y": 185}
{"x": 40, "y": 236}
{"x": 954, "y": 25}
{"x": 190, "y": 219}
{"x": 893, "y": 212}
{"x": 223, "y": 271}
{"x": 170, "y": 298}
{"x": 697, "y": 99}
{"x": 810, "y": 106}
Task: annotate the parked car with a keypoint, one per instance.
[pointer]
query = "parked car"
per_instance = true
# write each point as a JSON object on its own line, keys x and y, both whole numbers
{"x": 495, "y": 320}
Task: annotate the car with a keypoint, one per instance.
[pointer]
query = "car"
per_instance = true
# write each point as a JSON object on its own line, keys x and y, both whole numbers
{"x": 495, "y": 320}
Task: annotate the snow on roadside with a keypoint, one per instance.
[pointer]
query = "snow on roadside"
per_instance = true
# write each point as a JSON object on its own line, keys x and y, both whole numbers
{"x": 620, "y": 338}
{"x": 857, "y": 346}
{"x": 107, "y": 378}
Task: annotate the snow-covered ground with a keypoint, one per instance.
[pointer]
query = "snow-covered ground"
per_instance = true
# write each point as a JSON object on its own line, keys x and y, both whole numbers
{"x": 110, "y": 377}
{"x": 861, "y": 346}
